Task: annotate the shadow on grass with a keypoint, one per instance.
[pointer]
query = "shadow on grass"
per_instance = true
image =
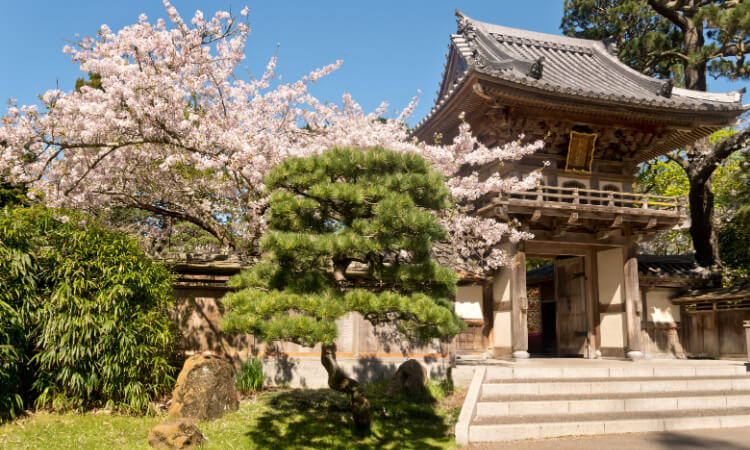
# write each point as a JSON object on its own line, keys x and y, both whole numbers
{"x": 320, "y": 418}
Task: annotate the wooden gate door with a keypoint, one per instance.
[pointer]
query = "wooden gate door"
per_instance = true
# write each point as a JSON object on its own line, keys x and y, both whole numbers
{"x": 571, "y": 298}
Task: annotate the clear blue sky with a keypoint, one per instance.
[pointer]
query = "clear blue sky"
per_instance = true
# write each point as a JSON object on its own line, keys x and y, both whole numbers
{"x": 390, "y": 49}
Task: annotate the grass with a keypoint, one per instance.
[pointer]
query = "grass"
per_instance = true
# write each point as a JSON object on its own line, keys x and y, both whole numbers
{"x": 311, "y": 418}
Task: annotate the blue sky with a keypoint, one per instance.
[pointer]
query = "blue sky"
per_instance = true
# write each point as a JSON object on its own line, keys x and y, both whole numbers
{"x": 390, "y": 49}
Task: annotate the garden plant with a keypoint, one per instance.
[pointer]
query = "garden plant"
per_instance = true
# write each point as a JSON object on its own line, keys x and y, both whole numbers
{"x": 374, "y": 208}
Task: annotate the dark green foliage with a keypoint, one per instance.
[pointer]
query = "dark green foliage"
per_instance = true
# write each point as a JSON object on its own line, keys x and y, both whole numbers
{"x": 88, "y": 315}
{"x": 371, "y": 207}
{"x": 11, "y": 194}
{"x": 641, "y": 35}
{"x": 650, "y": 43}
{"x": 250, "y": 377}
{"x": 734, "y": 243}
{"x": 94, "y": 81}
{"x": 734, "y": 236}
{"x": 19, "y": 300}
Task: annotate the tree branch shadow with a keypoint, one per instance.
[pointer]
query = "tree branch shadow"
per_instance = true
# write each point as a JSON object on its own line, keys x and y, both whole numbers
{"x": 321, "y": 418}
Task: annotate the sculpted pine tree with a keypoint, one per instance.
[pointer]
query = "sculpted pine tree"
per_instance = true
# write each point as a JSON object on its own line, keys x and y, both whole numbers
{"x": 686, "y": 40}
{"x": 374, "y": 208}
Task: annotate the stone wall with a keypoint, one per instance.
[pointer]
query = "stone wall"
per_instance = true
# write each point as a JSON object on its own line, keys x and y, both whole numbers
{"x": 366, "y": 352}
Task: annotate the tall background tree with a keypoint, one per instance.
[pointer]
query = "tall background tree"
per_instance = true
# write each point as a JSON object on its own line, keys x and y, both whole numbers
{"x": 686, "y": 40}
{"x": 376, "y": 208}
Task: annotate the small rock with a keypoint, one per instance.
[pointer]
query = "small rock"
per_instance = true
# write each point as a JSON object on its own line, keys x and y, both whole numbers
{"x": 205, "y": 389}
{"x": 175, "y": 433}
{"x": 410, "y": 377}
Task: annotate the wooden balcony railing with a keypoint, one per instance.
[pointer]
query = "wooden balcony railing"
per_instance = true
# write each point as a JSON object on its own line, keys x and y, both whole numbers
{"x": 593, "y": 197}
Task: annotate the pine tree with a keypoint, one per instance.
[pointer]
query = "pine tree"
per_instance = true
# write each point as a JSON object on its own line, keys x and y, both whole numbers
{"x": 373, "y": 207}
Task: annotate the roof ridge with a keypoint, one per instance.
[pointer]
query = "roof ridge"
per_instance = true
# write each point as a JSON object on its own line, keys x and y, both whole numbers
{"x": 537, "y": 36}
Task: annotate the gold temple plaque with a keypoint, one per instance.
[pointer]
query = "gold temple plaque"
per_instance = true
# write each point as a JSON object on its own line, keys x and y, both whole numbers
{"x": 580, "y": 152}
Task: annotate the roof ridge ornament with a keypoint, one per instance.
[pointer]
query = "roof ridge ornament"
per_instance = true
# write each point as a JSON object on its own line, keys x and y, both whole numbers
{"x": 611, "y": 45}
{"x": 666, "y": 88}
{"x": 536, "y": 69}
{"x": 463, "y": 23}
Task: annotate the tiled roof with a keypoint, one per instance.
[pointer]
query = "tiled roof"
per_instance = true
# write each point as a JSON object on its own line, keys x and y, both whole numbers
{"x": 568, "y": 66}
{"x": 734, "y": 293}
{"x": 660, "y": 266}
{"x": 669, "y": 266}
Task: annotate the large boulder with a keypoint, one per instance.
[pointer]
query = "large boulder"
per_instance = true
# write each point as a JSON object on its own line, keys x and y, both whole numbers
{"x": 410, "y": 377}
{"x": 205, "y": 389}
{"x": 175, "y": 433}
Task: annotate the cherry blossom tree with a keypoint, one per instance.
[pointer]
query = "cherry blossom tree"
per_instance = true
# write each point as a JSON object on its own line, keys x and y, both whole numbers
{"x": 173, "y": 129}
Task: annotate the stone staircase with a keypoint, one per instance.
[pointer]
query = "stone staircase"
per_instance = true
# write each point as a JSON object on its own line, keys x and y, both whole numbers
{"x": 514, "y": 403}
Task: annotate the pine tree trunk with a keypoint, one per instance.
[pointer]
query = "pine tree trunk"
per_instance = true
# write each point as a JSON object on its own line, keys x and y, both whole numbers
{"x": 338, "y": 381}
{"x": 695, "y": 73}
{"x": 702, "y": 226}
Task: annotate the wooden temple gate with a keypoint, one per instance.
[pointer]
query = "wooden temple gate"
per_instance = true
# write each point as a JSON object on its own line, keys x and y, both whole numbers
{"x": 598, "y": 120}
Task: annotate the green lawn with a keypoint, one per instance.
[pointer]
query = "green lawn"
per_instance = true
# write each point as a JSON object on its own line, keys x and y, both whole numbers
{"x": 281, "y": 419}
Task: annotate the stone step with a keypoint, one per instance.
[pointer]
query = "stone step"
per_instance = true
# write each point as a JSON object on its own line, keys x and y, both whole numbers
{"x": 611, "y": 403}
{"x": 509, "y": 428}
{"x": 612, "y": 386}
{"x": 637, "y": 370}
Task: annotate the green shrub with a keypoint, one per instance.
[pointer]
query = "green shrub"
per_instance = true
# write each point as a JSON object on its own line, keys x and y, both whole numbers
{"x": 250, "y": 376}
{"x": 19, "y": 300}
{"x": 101, "y": 335}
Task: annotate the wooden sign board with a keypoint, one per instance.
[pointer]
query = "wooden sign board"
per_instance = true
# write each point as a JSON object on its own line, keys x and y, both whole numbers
{"x": 580, "y": 152}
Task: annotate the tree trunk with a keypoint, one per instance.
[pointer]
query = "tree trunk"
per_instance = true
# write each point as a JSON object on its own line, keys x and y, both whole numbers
{"x": 338, "y": 381}
{"x": 695, "y": 73}
{"x": 702, "y": 226}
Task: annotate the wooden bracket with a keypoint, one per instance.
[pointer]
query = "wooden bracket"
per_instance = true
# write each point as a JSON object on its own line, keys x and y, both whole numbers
{"x": 573, "y": 218}
{"x": 602, "y": 235}
{"x": 501, "y": 212}
{"x": 536, "y": 215}
{"x": 617, "y": 222}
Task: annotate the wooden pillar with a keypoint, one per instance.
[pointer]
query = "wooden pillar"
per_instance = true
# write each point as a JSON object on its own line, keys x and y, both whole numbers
{"x": 592, "y": 307}
{"x": 632, "y": 304}
{"x": 519, "y": 307}
{"x": 488, "y": 316}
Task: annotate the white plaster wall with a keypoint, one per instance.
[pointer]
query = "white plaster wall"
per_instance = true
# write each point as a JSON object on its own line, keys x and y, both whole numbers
{"x": 612, "y": 327}
{"x": 659, "y": 306}
{"x": 469, "y": 301}
{"x": 609, "y": 265}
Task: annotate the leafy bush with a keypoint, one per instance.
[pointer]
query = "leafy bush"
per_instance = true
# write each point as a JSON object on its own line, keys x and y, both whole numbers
{"x": 89, "y": 315}
{"x": 19, "y": 299}
{"x": 250, "y": 376}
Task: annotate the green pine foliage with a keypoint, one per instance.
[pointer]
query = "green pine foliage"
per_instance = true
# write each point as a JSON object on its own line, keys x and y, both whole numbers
{"x": 374, "y": 208}
{"x": 86, "y": 316}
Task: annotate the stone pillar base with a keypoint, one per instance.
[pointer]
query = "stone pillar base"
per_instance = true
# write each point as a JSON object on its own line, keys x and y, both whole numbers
{"x": 521, "y": 354}
{"x": 635, "y": 355}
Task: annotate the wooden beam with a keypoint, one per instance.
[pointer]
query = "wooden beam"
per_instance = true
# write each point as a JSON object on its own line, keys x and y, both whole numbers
{"x": 501, "y": 212}
{"x": 602, "y": 235}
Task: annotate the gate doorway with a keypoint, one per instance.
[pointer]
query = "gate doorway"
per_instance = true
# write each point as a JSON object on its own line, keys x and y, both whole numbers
{"x": 558, "y": 308}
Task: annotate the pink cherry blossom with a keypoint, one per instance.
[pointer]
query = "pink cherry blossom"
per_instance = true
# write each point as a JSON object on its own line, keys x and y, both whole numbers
{"x": 177, "y": 131}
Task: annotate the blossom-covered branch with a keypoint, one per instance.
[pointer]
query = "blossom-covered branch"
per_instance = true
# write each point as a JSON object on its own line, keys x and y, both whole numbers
{"x": 174, "y": 130}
